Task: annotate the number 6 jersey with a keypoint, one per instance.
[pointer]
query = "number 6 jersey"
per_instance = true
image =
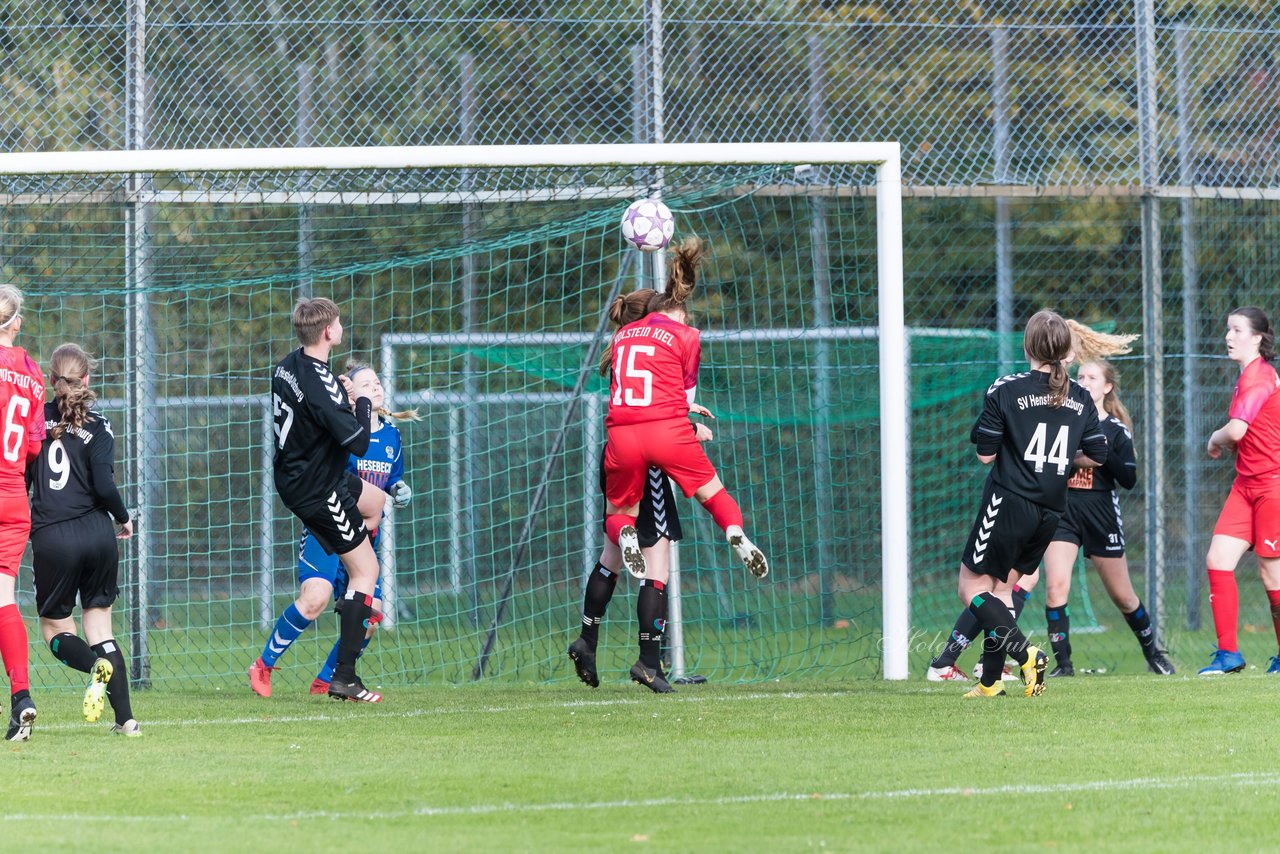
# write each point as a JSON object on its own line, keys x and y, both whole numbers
{"x": 1035, "y": 442}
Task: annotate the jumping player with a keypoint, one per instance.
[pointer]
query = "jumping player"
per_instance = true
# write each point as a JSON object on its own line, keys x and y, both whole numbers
{"x": 74, "y": 501}
{"x": 320, "y": 575}
{"x": 1093, "y": 522}
{"x": 1034, "y": 425}
{"x": 1250, "y": 517}
{"x": 657, "y": 525}
{"x": 316, "y": 429}
{"x": 321, "y": 578}
{"x": 22, "y": 403}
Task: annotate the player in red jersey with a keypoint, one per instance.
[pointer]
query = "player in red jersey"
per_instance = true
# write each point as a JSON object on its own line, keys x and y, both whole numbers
{"x": 655, "y": 377}
{"x": 22, "y": 408}
{"x": 1250, "y": 517}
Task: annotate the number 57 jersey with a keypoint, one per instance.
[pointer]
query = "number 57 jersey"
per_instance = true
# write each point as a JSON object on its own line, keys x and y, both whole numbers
{"x": 654, "y": 368}
{"x": 1035, "y": 442}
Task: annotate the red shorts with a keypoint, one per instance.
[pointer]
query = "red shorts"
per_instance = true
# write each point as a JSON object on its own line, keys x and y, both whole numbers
{"x": 15, "y": 531}
{"x": 670, "y": 445}
{"x": 1252, "y": 514}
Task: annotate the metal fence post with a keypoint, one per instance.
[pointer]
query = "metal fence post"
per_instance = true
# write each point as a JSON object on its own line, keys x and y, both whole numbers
{"x": 1152, "y": 309}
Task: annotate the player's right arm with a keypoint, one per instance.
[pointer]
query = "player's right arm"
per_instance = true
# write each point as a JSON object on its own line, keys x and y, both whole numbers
{"x": 988, "y": 430}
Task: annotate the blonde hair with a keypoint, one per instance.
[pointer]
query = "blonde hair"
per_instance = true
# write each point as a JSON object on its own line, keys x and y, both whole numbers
{"x": 68, "y": 368}
{"x": 682, "y": 275}
{"x": 10, "y": 306}
{"x": 354, "y": 367}
{"x": 626, "y": 308}
{"x": 1091, "y": 346}
{"x": 1111, "y": 403}
{"x": 311, "y": 316}
{"x": 1047, "y": 339}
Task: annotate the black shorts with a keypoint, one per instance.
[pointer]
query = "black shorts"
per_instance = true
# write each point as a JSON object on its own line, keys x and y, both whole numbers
{"x": 78, "y": 556}
{"x": 658, "y": 516}
{"x": 1010, "y": 533}
{"x": 1093, "y": 522}
{"x": 336, "y": 522}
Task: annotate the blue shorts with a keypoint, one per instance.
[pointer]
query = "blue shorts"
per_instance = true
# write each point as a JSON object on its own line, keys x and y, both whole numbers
{"x": 315, "y": 562}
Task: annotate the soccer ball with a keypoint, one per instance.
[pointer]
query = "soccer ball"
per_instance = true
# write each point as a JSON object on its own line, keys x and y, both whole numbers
{"x": 648, "y": 225}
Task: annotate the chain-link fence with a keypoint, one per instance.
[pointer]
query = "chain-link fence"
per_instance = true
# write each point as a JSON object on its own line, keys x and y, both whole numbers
{"x": 1115, "y": 160}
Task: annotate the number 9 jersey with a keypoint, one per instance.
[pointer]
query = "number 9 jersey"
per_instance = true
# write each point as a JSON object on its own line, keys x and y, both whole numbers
{"x": 75, "y": 475}
{"x": 1035, "y": 442}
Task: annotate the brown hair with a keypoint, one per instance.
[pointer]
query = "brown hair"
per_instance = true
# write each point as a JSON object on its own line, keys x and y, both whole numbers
{"x": 311, "y": 316}
{"x": 1111, "y": 402}
{"x": 626, "y": 308}
{"x": 68, "y": 367}
{"x": 1091, "y": 346}
{"x": 682, "y": 275}
{"x": 1261, "y": 326}
{"x": 354, "y": 367}
{"x": 1047, "y": 339}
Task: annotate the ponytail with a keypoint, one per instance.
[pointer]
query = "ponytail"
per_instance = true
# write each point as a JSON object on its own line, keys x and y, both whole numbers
{"x": 68, "y": 369}
{"x": 682, "y": 275}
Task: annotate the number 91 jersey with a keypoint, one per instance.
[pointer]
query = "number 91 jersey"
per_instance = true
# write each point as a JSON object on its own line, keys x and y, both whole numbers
{"x": 654, "y": 365}
{"x": 1035, "y": 442}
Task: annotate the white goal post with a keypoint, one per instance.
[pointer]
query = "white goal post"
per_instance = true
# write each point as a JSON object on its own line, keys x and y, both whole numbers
{"x": 893, "y": 348}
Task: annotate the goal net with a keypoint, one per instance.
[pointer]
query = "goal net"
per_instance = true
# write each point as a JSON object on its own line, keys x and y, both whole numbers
{"x": 474, "y": 280}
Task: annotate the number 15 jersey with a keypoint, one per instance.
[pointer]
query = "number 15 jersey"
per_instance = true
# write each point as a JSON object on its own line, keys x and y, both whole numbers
{"x": 654, "y": 366}
{"x": 1035, "y": 442}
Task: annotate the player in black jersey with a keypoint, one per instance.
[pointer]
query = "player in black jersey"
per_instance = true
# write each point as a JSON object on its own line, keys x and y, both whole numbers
{"x": 73, "y": 540}
{"x": 1093, "y": 522}
{"x": 1087, "y": 345}
{"x": 317, "y": 428}
{"x": 1034, "y": 426}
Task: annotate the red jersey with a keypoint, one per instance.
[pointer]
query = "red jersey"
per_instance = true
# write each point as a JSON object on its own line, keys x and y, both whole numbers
{"x": 22, "y": 410}
{"x": 655, "y": 364}
{"x": 1256, "y": 402}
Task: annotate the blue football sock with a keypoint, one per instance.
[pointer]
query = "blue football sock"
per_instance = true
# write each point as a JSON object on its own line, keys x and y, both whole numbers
{"x": 326, "y": 672}
{"x": 290, "y": 625}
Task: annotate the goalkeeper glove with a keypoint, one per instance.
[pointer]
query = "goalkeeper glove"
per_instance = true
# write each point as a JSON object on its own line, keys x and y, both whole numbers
{"x": 400, "y": 494}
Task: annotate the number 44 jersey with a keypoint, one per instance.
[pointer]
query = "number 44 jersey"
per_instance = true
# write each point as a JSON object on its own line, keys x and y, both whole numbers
{"x": 1035, "y": 442}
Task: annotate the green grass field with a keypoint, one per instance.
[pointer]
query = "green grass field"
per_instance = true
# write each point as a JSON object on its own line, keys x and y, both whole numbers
{"x": 1137, "y": 763}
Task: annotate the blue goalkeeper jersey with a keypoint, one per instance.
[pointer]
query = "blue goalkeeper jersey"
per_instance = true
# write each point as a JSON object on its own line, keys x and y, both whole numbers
{"x": 383, "y": 464}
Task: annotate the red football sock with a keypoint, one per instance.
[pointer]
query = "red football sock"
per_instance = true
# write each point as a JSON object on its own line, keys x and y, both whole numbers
{"x": 1273, "y": 596}
{"x": 613, "y": 524}
{"x": 1225, "y": 601}
{"x": 724, "y": 510}
{"x": 13, "y": 648}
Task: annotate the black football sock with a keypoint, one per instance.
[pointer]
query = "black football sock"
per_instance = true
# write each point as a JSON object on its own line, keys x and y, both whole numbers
{"x": 600, "y": 586}
{"x": 118, "y": 686}
{"x": 993, "y": 657}
{"x": 996, "y": 618}
{"x": 1020, "y": 598}
{"x": 963, "y": 633}
{"x": 357, "y": 608}
{"x": 72, "y": 651}
{"x": 651, "y": 613}
{"x": 1059, "y": 628}
{"x": 1140, "y": 622}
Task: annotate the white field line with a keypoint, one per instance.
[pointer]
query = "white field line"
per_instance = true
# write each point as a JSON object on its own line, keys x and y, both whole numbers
{"x": 1137, "y": 783}
{"x": 359, "y": 712}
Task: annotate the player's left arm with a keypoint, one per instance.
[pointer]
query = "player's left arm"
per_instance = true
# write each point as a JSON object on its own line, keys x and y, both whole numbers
{"x": 102, "y": 471}
{"x": 690, "y": 362}
{"x": 1122, "y": 462}
{"x": 1226, "y": 437}
{"x": 399, "y": 490}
